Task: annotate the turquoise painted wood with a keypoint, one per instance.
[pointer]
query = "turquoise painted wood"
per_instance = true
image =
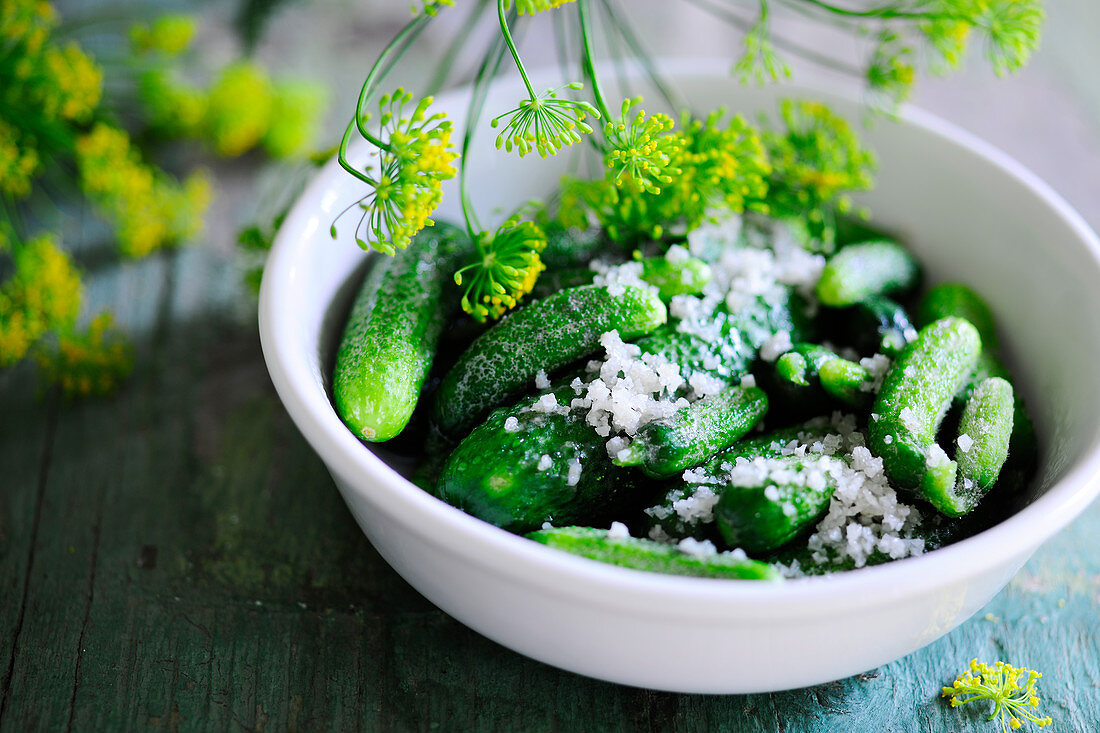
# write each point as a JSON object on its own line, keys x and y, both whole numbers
{"x": 176, "y": 557}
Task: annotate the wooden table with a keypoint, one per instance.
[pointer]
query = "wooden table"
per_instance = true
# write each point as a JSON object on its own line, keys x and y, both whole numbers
{"x": 176, "y": 557}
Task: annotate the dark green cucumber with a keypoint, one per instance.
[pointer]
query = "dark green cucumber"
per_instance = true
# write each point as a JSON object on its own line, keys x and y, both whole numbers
{"x": 392, "y": 333}
{"x": 516, "y": 470}
{"x": 874, "y": 325}
{"x": 493, "y": 473}
{"x": 914, "y": 397}
{"x": 641, "y": 554}
{"x": 543, "y": 335}
{"x": 694, "y": 433}
{"x": 713, "y": 477}
{"x": 860, "y": 271}
{"x": 764, "y": 515}
{"x": 955, "y": 299}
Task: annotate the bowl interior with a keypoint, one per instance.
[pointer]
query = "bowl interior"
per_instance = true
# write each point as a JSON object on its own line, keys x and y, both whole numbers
{"x": 968, "y": 212}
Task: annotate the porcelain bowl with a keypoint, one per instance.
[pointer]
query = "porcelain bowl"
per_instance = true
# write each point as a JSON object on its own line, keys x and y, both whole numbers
{"x": 967, "y": 210}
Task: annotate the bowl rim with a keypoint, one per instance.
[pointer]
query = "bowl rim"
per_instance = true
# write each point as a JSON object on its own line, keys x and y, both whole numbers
{"x": 531, "y": 563}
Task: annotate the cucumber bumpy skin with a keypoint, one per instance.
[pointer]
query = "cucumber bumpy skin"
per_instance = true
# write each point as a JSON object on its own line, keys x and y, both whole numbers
{"x": 985, "y": 430}
{"x": 914, "y": 397}
{"x": 714, "y": 475}
{"x": 392, "y": 333}
{"x": 493, "y": 473}
{"x": 694, "y": 433}
{"x": 954, "y": 299}
{"x": 642, "y": 554}
{"x": 544, "y": 335}
{"x": 877, "y": 325}
{"x": 521, "y": 468}
{"x": 860, "y": 271}
{"x": 765, "y": 515}
{"x": 840, "y": 378}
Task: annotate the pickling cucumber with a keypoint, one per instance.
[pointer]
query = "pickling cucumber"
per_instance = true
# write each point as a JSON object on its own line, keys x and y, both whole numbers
{"x": 860, "y": 271}
{"x": 915, "y": 396}
{"x": 694, "y": 433}
{"x": 642, "y": 554}
{"x": 543, "y": 335}
{"x": 392, "y": 332}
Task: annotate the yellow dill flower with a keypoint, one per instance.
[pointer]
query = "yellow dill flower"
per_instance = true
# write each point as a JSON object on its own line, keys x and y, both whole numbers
{"x": 148, "y": 209}
{"x": 170, "y": 35}
{"x": 28, "y": 22}
{"x": 415, "y": 161}
{"x": 817, "y": 161}
{"x": 723, "y": 164}
{"x": 71, "y": 83}
{"x": 295, "y": 116}
{"x": 545, "y": 123}
{"x": 42, "y": 294}
{"x": 504, "y": 268}
{"x": 18, "y": 161}
{"x": 1010, "y": 691}
{"x": 90, "y": 362}
{"x": 640, "y": 151}
{"x": 531, "y": 7}
{"x": 239, "y": 108}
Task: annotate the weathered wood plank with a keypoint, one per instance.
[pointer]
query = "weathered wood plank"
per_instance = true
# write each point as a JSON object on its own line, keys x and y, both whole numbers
{"x": 26, "y": 436}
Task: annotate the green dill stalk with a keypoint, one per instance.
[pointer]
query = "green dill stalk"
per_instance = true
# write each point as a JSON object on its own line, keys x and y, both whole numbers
{"x": 396, "y": 49}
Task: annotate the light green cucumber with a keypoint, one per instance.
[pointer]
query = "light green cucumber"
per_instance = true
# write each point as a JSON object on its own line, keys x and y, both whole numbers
{"x": 392, "y": 332}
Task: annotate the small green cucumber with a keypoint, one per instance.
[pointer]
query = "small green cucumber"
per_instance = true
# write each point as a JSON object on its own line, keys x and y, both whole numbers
{"x": 860, "y": 271}
{"x": 955, "y": 299}
{"x": 642, "y": 554}
{"x": 694, "y": 433}
{"x": 685, "y": 276}
{"x": 985, "y": 431}
{"x": 392, "y": 333}
{"x": 808, "y": 364}
{"x": 914, "y": 397}
{"x": 543, "y": 335}
{"x": 875, "y": 325}
{"x": 782, "y": 499}
{"x": 522, "y": 467}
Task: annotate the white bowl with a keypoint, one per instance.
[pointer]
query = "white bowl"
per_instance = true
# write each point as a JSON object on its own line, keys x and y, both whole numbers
{"x": 968, "y": 211}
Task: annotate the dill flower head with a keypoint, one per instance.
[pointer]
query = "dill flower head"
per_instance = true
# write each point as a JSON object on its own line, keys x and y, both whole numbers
{"x": 68, "y": 83}
{"x": 149, "y": 209}
{"x": 417, "y": 158}
{"x": 504, "y": 268}
{"x": 27, "y": 22}
{"x": 531, "y": 7}
{"x": 169, "y": 35}
{"x": 239, "y": 108}
{"x": 722, "y": 163}
{"x": 544, "y": 123}
{"x": 90, "y": 362}
{"x": 41, "y": 295}
{"x": 18, "y": 161}
{"x": 817, "y": 160}
{"x": 1011, "y": 692}
{"x": 640, "y": 150}
{"x": 891, "y": 72}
